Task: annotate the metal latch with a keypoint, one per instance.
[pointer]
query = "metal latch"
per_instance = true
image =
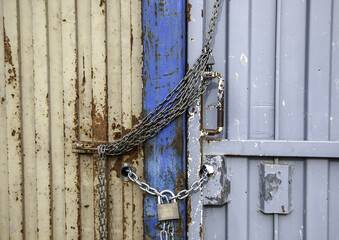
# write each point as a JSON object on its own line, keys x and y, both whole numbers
{"x": 216, "y": 191}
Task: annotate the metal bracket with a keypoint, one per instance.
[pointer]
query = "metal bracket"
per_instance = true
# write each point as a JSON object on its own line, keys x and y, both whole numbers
{"x": 86, "y": 147}
{"x": 216, "y": 191}
{"x": 275, "y": 188}
{"x": 123, "y": 173}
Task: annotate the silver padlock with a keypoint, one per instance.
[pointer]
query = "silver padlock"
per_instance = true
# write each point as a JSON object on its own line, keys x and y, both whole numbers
{"x": 167, "y": 211}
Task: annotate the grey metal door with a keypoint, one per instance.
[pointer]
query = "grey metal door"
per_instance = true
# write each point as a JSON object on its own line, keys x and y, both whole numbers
{"x": 277, "y": 158}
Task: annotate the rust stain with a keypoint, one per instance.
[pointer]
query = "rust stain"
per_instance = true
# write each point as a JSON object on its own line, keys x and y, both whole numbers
{"x": 7, "y": 46}
{"x": 180, "y": 183}
{"x": 99, "y": 124}
{"x": 189, "y": 8}
{"x": 102, "y": 3}
{"x": 156, "y": 13}
{"x": 189, "y": 211}
{"x": 283, "y": 208}
{"x": 131, "y": 39}
{"x": 136, "y": 120}
{"x": 8, "y": 57}
{"x": 202, "y": 13}
{"x": 177, "y": 142}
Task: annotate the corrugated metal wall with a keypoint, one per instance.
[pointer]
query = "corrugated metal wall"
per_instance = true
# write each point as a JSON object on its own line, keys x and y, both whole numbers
{"x": 71, "y": 70}
{"x": 280, "y": 59}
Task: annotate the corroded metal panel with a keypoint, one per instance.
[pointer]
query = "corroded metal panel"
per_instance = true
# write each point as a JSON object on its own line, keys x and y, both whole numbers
{"x": 63, "y": 72}
{"x": 164, "y": 66}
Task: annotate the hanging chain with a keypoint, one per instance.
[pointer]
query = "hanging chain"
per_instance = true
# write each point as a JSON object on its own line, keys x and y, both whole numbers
{"x": 102, "y": 192}
{"x": 188, "y": 91}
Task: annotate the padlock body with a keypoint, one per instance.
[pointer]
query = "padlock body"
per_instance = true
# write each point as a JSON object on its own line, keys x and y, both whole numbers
{"x": 168, "y": 211}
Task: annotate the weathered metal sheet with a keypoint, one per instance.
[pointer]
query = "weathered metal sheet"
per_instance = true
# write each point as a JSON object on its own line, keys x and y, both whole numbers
{"x": 58, "y": 85}
{"x": 4, "y": 201}
{"x": 13, "y": 118}
{"x": 281, "y": 90}
{"x": 195, "y": 13}
{"x": 164, "y": 66}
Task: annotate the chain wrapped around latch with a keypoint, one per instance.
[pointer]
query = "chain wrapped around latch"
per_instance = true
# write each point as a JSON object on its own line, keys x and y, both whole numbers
{"x": 168, "y": 209}
{"x": 187, "y": 92}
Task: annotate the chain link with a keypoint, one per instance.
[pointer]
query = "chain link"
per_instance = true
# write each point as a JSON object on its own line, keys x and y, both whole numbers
{"x": 188, "y": 91}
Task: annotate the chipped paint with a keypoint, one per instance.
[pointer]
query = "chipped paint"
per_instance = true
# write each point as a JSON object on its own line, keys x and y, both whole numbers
{"x": 243, "y": 59}
{"x": 164, "y": 162}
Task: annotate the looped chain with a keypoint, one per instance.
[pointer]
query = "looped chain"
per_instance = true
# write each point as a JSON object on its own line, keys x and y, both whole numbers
{"x": 180, "y": 195}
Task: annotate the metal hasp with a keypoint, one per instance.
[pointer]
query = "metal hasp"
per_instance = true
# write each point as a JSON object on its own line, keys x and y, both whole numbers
{"x": 216, "y": 191}
{"x": 219, "y": 106}
{"x": 164, "y": 63}
{"x": 275, "y": 188}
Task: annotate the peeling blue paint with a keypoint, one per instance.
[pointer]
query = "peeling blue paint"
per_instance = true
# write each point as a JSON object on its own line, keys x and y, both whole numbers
{"x": 164, "y": 60}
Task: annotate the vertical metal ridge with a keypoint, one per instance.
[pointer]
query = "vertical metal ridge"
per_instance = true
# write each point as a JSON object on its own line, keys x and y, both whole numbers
{"x": 305, "y": 166}
{"x": 126, "y": 103}
{"x": 277, "y": 69}
{"x": 70, "y": 83}
{"x": 84, "y": 44}
{"x": 42, "y": 131}
{"x": 330, "y": 115}
{"x": 330, "y": 71}
{"x": 195, "y": 38}
{"x": 249, "y": 112}
{"x": 277, "y": 98}
{"x": 307, "y": 33}
{"x": 13, "y": 118}
{"x": 56, "y": 118}
{"x": 4, "y": 193}
{"x": 27, "y": 122}
{"x": 137, "y": 103}
{"x": 99, "y": 93}
{"x": 114, "y": 112}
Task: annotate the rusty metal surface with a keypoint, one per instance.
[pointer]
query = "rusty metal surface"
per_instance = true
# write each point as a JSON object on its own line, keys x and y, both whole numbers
{"x": 164, "y": 66}
{"x": 63, "y": 81}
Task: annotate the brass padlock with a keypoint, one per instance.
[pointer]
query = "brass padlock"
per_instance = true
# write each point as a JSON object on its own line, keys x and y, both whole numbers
{"x": 167, "y": 211}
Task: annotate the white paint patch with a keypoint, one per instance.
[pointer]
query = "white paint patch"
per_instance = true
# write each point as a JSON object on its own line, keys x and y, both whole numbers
{"x": 243, "y": 59}
{"x": 301, "y": 234}
{"x": 331, "y": 118}
{"x": 255, "y": 86}
{"x": 336, "y": 80}
{"x": 236, "y": 76}
{"x": 283, "y": 103}
{"x": 237, "y": 124}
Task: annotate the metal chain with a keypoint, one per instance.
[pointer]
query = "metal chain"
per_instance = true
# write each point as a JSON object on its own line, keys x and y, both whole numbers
{"x": 102, "y": 192}
{"x": 180, "y": 195}
{"x": 188, "y": 91}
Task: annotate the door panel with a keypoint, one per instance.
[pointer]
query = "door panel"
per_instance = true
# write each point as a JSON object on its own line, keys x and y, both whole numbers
{"x": 277, "y": 58}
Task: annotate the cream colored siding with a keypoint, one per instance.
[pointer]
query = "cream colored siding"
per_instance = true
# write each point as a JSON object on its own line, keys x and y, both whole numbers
{"x": 70, "y": 70}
